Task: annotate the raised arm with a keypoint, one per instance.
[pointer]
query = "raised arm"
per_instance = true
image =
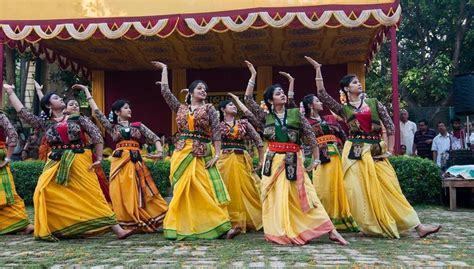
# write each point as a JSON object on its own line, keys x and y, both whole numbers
{"x": 250, "y": 116}
{"x": 95, "y": 109}
{"x": 23, "y": 113}
{"x": 325, "y": 98}
{"x": 170, "y": 99}
{"x": 248, "y": 98}
{"x": 39, "y": 90}
{"x": 291, "y": 89}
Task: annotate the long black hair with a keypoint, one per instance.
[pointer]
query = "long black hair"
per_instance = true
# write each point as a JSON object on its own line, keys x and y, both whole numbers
{"x": 45, "y": 102}
{"x": 307, "y": 102}
{"x": 116, "y": 107}
{"x": 344, "y": 82}
{"x": 222, "y": 106}
{"x": 268, "y": 95}
{"x": 191, "y": 88}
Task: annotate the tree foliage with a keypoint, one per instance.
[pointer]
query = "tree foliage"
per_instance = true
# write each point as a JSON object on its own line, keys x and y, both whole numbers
{"x": 434, "y": 43}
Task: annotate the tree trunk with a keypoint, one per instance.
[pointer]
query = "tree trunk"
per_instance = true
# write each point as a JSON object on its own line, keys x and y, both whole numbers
{"x": 9, "y": 65}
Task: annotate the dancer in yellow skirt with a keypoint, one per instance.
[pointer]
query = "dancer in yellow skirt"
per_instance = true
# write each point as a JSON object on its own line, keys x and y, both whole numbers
{"x": 68, "y": 201}
{"x": 13, "y": 216}
{"x": 292, "y": 212}
{"x": 236, "y": 167}
{"x": 328, "y": 178}
{"x": 135, "y": 197}
{"x": 375, "y": 198}
{"x": 198, "y": 209}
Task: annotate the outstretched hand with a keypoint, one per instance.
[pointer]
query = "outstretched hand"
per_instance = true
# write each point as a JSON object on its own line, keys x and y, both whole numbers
{"x": 251, "y": 68}
{"x": 159, "y": 65}
{"x": 286, "y": 75}
{"x": 312, "y": 62}
{"x": 38, "y": 87}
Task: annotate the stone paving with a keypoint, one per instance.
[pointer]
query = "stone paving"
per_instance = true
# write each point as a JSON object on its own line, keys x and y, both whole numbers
{"x": 453, "y": 247}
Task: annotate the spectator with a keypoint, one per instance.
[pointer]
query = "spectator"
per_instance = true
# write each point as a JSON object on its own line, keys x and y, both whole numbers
{"x": 470, "y": 137}
{"x": 25, "y": 156}
{"x": 403, "y": 149}
{"x": 458, "y": 135}
{"x": 407, "y": 131}
{"x": 423, "y": 140}
{"x": 32, "y": 144}
{"x": 441, "y": 145}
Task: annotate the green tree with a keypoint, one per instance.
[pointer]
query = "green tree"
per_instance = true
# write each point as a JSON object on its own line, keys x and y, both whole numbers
{"x": 434, "y": 43}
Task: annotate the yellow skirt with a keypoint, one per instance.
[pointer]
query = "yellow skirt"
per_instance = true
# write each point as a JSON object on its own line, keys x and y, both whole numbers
{"x": 124, "y": 185}
{"x": 375, "y": 198}
{"x": 195, "y": 212}
{"x": 329, "y": 184}
{"x": 75, "y": 210}
{"x": 284, "y": 221}
{"x": 245, "y": 208}
{"x": 13, "y": 218}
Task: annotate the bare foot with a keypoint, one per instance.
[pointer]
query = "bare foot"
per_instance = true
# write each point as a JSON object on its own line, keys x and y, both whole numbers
{"x": 126, "y": 233}
{"x": 424, "y": 230}
{"x": 28, "y": 230}
{"x": 233, "y": 232}
{"x": 336, "y": 237}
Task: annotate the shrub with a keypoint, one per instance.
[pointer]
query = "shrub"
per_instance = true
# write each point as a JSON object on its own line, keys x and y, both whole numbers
{"x": 26, "y": 175}
{"x": 420, "y": 179}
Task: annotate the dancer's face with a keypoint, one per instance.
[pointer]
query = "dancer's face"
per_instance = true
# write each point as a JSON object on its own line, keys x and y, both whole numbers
{"x": 354, "y": 86}
{"x": 125, "y": 112}
{"x": 56, "y": 102}
{"x": 279, "y": 97}
{"x": 317, "y": 105}
{"x": 72, "y": 107}
{"x": 230, "y": 109}
{"x": 200, "y": 92}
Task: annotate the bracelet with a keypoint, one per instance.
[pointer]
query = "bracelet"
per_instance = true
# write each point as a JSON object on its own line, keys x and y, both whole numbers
{"x": 318, "y": 79}
{"x": 291, "y": 95}
{"x": 216, "y": 156}
{"x": 251, "y": 83}
{"x": 317, "y": 162}
{"x": 7, "y": 160}
{"x": 89, "y": 98}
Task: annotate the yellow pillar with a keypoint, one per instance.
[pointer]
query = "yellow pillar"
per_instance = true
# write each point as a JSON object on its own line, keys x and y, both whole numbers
{"x": 357, "y": 68}
{"x": 179, "y": 82}
{"x": 264, "y": 79}
{"x": 98, "y": 93}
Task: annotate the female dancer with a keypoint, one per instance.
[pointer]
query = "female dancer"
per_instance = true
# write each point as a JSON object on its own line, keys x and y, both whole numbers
{"x": 68, "y": 201}
{"x": 236, "y": 168}
{"x": 292, "y": 212}
{"x": 44, "y": 149}
{"x": 375, "y": 198}
{"x": 198, "y": 208}
{"x": 135, "y": 197}
{"x": 328, "y": 177}
{"x": 13, "y": 216}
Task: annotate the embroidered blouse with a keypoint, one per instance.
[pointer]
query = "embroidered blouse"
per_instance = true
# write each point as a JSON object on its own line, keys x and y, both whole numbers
{"x": 338, "y": 109}
{"x": 306, "y": 133}
{"x": 8, "y": 133}
{"x": 205, "y": 122}
{"x": 241, "y": 131}
{"x": 75, "y": 128}
{"x": 118, "y": 132}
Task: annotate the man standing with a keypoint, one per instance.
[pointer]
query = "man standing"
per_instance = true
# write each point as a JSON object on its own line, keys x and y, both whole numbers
{"x": 458, "y": 135}
{"x": 423, "y": 140}
{"x": 407, "y": 131}
{"x": 441, "y": 145}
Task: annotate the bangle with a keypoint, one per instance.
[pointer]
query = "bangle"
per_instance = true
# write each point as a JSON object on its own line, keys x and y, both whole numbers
{"x": 318, "y": 79}
{"x": 7, "y": 160}
{"x": 317, "y": 162}
{"x": 216, "y": 156}
{"x": 251, "y": 83}
{"x": 89, "y": 98}
{"x": 291, "y": 94}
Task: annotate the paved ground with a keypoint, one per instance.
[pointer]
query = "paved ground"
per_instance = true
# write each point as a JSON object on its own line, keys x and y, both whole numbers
{"x": 454, "y": 246}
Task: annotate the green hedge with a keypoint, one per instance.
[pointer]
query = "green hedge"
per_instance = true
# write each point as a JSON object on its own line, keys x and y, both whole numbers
{"x": 26, "y": 175}
{"x": 419, "y": 178}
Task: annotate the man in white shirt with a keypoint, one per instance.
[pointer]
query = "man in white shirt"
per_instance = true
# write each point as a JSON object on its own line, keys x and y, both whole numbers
{"x": 441, "y": 145}
{"x": 407, "y": 131}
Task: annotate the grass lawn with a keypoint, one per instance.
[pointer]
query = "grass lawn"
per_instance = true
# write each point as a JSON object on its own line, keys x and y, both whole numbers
{"x": 453, "y": 246}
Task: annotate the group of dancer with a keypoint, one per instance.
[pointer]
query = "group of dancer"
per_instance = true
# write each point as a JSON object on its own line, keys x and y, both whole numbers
{"x": 217, "y": 193}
